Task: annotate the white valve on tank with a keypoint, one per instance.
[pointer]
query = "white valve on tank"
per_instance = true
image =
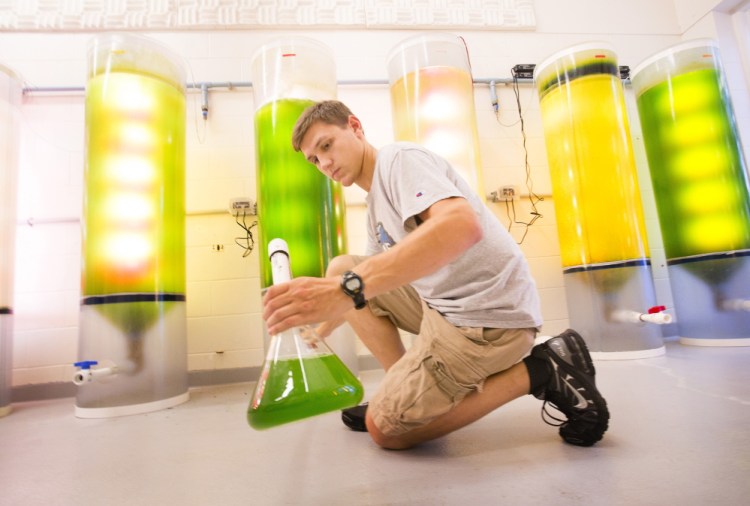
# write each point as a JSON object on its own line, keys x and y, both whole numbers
{"x": 85, "y": 373}
{"x": 735, "y": 305}
{"x": 658, "y": 318}
{"x": 655, "y": 315}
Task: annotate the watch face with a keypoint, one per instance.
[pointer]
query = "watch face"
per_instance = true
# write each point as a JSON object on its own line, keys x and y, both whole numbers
{"x": 353, "y": 287}
{"x": 353, "y": 284}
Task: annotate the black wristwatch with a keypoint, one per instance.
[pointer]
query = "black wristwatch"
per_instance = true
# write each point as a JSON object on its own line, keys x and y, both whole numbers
{"x": 354, "y": 287}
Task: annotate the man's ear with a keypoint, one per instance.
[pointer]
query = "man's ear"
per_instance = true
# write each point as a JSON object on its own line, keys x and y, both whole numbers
{"x": 355, "y": 124}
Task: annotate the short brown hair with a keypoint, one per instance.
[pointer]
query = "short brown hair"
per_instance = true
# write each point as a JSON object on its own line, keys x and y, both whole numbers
{"x": 331, "y": 112}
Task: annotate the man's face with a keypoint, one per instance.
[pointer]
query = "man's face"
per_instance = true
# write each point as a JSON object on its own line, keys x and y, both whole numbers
{"x": 337, "y": 152}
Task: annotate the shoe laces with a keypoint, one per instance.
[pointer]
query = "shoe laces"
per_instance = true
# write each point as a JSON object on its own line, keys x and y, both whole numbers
{"x": 553, "y": 420}
{"x": 549, "y": 418}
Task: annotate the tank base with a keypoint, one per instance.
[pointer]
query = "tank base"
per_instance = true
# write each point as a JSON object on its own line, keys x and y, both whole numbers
{"x": 133, "y": 409}
{"x": 692, "y": 341}
{"x": 5, "y": 411}
{"x": 628, "y": 355}
{"x": 700, "y": 285}
{"x": 597, "y": 294}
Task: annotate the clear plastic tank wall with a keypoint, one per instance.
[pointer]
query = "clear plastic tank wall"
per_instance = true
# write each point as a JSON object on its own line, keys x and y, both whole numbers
{"x": 601, "y": 229}
{"x": 133, "y": 320}
{"x": 10, "y": 101}
{"x": 432, "y": 100}
{"x": 296, "y": 202}
{"x": 701, "y": 189}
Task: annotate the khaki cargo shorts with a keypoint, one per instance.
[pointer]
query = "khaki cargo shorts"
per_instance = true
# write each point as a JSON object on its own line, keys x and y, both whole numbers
{"x": 443, "y": 365}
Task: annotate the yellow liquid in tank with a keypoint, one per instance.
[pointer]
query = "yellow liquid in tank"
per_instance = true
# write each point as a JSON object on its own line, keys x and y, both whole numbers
{"x": 590, "y": 156}
{"x": 135, "y": 176}
{"x": 434, "y": 107}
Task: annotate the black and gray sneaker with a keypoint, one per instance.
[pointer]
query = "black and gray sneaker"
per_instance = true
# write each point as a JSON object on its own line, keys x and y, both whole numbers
{"x": 571, "y": 390}
{"x": 354, "y": 418}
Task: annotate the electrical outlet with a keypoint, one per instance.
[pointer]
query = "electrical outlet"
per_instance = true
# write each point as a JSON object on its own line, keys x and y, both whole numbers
{"x": 506, "y": 193}
{"x": 240, "y": 205}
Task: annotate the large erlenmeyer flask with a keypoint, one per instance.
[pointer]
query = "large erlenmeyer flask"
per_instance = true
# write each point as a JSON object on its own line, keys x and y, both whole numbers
{"x": 299, "y": 378}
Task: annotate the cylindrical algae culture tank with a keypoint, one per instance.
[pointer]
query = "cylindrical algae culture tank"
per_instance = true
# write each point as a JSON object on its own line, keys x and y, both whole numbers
{"x": 10, "y": 102}
{"x": 295, "y": 201}
{"x": 432, "y": 100}
{"x": 133, "y": 321}
{"x": 701, "y": 189}
{"x": 601, "y": 229}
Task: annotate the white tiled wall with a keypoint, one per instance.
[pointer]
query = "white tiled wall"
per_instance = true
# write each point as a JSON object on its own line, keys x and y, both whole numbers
{"x": 224, "y": 323}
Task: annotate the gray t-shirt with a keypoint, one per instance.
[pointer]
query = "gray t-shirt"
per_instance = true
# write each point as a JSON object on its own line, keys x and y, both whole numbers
{"x": 489, "y": 285}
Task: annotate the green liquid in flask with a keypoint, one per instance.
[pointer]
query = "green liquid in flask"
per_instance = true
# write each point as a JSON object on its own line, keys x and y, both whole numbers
{"x": 291, "y": 389}
{"x": 300, "y": 378}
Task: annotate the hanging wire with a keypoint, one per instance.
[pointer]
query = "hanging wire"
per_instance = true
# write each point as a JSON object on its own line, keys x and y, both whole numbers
{"x": 510, "y": 207}
{"x": 496, "y": 105}
{"x": 468, "y": 56}
{"x": 246, "y": 242}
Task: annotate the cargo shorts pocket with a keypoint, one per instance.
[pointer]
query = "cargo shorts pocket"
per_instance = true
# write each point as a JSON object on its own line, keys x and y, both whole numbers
{"x": 457, "y": 370}
{"x": 413, "y": 396}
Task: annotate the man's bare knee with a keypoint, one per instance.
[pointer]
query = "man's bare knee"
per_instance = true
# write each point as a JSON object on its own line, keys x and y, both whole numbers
{"x": 387, "y": 442}
{"x": 340, "y": 265}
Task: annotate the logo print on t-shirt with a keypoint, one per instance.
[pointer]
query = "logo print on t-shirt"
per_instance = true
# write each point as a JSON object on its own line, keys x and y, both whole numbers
{"x": 419, "y": 194}
{"x": 384, "y": 239}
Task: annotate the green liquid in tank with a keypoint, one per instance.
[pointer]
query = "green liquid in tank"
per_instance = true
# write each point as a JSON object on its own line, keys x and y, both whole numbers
{"x": 293, "y": 389}
{"x": 295, "y": 200}
{"x": 697, "y": 170}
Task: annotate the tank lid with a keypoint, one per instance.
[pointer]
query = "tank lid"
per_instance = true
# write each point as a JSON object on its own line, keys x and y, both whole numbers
{"x": 672, "y": 50}
{"x": 428, "y": 50}
{"x": 293, "y": 68}
{"x": 127, "y": 51}
{"x": 444, "y": 37}
{"x": 578, "y": 48}
{"x": 287, "y": 43}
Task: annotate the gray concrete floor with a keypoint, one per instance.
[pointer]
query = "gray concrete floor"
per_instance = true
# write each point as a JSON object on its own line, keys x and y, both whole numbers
{"x": 679, "y": 435}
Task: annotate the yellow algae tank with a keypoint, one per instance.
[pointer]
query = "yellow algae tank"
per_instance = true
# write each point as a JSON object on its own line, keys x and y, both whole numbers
{"x": 432, "y": 101}
{"x": 133, "y": 322}
{"x": 601, "y": 229}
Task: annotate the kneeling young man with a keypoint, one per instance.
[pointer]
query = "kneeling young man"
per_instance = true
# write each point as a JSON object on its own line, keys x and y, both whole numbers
{"x": 441, "y": 266}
